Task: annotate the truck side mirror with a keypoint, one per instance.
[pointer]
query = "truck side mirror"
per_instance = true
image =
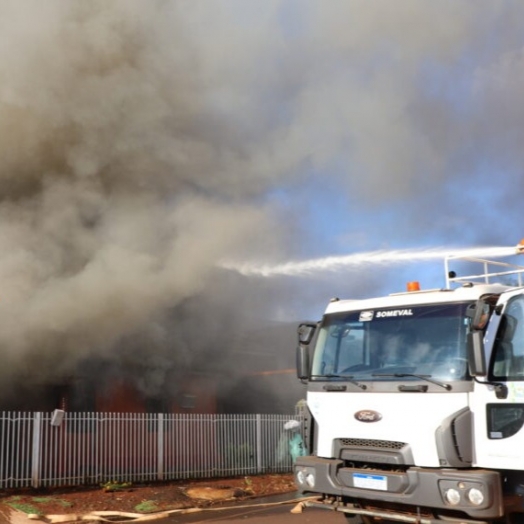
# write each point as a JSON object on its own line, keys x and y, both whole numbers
{"x": 306, "y": 332}
{"x": 479, "y": 320}
{"x": 480, "y": 317}
{"x": 302, "y": 362}
{"x": 476, "y": 358}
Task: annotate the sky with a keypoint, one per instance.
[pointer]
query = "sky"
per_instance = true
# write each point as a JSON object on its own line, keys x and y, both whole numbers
{"x": 152, "y": 149}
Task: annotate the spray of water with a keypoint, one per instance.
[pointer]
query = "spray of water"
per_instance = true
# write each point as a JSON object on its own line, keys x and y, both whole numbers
{"x": 356, "y": 260}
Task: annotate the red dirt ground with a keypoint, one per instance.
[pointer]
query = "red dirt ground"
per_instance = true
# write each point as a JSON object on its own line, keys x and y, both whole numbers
{"x": 144, "y": 498}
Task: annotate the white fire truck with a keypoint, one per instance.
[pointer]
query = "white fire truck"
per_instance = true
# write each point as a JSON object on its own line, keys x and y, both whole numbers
{"x": 415, "y": 402}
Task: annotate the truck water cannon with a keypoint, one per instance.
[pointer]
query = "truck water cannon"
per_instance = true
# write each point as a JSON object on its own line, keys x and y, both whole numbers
{"x": 491, "y": 270}
{"x": 415, "y": 400}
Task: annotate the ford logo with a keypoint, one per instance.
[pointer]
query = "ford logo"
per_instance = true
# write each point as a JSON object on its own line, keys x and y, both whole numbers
{"x": 368, "y": 415}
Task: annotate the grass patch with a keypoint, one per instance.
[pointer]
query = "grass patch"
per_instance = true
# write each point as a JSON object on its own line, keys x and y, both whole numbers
{"x": 52, "y": 500}
{"x": 26, "y": 508}
{"x": 147, "y": 506}
{"x": 18, "y": 502}
{"x": 113, "y": 485}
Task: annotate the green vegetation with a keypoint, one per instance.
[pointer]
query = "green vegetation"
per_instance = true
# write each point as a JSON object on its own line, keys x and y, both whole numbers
{"x": 249, "y": 485}
{"x": 147, "y": 506}
{"x": 42, "y": 500}
{"x": 114, "y": 485}
{"x": 17, "y": 502}
{"x": 26, "y": 508}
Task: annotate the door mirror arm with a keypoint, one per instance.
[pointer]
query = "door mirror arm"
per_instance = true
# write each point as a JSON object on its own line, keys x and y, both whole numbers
{"x": 501, "y": 389}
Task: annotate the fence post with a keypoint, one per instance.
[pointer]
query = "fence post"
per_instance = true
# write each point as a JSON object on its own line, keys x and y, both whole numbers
{"x": 160, "y": 444}
{"x": 259, "y": 444}
{"x": 36, "y": 455}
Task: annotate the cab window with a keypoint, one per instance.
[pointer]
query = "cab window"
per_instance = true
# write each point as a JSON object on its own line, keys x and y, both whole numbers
{"x": 508, "y": 354}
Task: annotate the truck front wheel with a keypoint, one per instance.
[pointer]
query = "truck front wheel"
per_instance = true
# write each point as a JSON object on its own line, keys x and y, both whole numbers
{"x": 358, "y": 519}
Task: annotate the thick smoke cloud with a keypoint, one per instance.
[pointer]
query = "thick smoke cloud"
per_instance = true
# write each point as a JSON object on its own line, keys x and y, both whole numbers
{"x": 122, "y": 183}
{"x": 144, "y": 143}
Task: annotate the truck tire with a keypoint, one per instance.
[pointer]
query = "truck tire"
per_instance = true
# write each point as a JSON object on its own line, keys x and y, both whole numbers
{"x": 357, "y": 519}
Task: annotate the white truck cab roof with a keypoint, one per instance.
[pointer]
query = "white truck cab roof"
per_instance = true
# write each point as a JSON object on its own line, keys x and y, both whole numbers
{"x": 465, "y": 293}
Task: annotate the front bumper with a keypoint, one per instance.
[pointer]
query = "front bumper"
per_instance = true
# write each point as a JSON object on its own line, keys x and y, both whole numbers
{"x": 415, "y": 487}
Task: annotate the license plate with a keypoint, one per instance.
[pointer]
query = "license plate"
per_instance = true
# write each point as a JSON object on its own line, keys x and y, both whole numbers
{"x": 379, "y": 482}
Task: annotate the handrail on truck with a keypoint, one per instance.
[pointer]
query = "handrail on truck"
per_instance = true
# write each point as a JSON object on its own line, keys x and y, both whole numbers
{"x": 488, "y": 272}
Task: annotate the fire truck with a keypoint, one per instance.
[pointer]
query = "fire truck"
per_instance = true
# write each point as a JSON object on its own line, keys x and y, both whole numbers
{"x": 415, "y": 401}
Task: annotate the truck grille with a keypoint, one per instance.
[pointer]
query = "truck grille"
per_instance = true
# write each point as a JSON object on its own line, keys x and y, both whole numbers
{"x": 371, "y": 451}
{"x": 369, "y": 443}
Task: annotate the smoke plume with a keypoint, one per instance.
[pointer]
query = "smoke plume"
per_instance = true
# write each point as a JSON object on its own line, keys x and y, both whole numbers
{"x": 122, "y": 182}
{"x": 146, "y": 145}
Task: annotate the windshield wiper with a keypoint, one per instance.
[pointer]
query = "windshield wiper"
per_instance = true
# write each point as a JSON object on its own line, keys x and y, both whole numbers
{"x": 447, "y": 387}
{"x": 349, "y": 378}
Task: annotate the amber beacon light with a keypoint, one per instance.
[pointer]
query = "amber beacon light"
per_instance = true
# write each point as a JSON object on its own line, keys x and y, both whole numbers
{"x": 413, "y": 286}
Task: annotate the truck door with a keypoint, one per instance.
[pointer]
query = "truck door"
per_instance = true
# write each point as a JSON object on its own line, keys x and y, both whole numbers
{"x": 498, "y": 401}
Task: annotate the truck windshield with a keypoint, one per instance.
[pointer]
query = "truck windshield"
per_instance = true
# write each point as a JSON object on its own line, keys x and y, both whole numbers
{"x": 377, "y": 344}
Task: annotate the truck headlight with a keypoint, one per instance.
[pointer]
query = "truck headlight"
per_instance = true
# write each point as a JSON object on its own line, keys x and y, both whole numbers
{"x": 475, "y": 496}
{"x": 305, "y": 477}
{"x": 310, "y": 480}
{"x": 452, "y": 496}
{"x": 301, "y": 477}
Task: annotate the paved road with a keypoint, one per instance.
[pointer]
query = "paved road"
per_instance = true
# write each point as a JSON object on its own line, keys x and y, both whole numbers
{"x": 260, "y": 515}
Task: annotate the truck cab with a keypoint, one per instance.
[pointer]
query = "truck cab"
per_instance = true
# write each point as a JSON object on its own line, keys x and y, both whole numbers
{"x": 416, "y": 403}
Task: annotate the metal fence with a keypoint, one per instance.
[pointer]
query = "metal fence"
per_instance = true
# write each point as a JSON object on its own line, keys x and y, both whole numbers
{"x": 41, "y": 449}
